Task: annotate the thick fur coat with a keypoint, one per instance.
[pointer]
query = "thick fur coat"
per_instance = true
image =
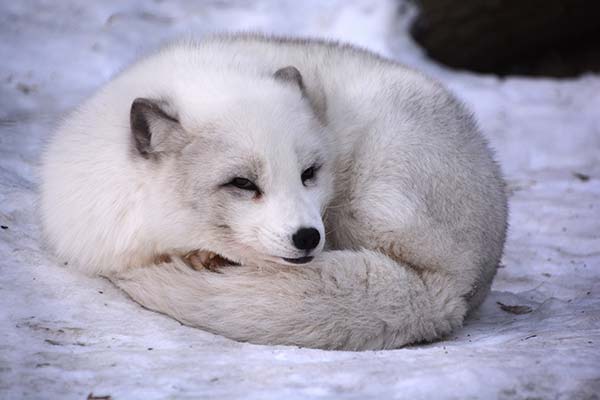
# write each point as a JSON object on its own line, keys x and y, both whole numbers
{"x": 235, "y": 144}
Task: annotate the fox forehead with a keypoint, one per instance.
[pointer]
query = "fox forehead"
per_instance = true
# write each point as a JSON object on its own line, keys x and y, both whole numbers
{"x": 252, "y": 133}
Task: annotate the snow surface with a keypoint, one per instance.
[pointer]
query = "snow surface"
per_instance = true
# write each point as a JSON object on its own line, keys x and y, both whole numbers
{"x": 64, "y": 335}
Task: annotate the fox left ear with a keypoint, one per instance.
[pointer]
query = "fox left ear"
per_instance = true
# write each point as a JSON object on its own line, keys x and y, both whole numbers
{"x": 314, "y": 93}
{"x": 154, "y": 130}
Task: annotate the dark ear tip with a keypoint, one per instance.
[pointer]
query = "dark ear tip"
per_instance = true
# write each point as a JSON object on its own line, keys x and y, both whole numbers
{"x": 147, "y": 107}
{"x": 137, "y": 115}
{"x": 139, "y": 124}
{"x": 141, "y": 104}
{"x": 289, "y": 74}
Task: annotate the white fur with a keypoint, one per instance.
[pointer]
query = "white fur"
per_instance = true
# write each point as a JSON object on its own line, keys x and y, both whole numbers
{"x": 408, "y": 196}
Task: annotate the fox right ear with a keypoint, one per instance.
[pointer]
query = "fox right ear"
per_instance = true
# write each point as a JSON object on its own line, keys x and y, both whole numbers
{"x": 155, "y": 131}
{"x": 314, "y": 94}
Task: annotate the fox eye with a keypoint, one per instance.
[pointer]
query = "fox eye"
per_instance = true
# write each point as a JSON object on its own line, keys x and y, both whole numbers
{"x": 244, "y": 184}
{"x": 308, "y": 174}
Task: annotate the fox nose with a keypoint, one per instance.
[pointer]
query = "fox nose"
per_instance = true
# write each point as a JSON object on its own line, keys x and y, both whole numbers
{"x": 306, "y": 238}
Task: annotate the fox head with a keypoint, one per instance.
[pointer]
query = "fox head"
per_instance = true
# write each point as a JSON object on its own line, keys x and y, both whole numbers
{"x": 248, "y": 163}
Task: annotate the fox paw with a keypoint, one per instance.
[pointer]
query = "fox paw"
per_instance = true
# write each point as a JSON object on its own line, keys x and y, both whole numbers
{"x": 201, "y": 260}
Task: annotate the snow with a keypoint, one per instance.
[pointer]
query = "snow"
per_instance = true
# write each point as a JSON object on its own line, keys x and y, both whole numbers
{"x": 65, "y": 335}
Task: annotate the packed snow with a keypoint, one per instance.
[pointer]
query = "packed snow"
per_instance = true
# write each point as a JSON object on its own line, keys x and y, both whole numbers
{"x": 65, "y": 335}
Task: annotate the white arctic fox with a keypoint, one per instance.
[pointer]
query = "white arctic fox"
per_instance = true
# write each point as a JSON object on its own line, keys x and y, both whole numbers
{"x": 271, "y": 153}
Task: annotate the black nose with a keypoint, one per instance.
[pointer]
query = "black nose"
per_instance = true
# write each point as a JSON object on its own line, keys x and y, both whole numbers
{"x": 306, "y": 238}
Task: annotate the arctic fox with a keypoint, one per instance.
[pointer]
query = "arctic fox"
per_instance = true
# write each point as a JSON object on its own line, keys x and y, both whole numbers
{"x": 351, "y": 202}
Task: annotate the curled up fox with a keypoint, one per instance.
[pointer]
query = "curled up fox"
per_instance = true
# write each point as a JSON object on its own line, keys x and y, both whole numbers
{"x": 280, "y": 191}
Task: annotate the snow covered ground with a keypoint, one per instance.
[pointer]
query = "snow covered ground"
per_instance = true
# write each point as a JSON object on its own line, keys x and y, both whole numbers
{"x": 64, "y": 335}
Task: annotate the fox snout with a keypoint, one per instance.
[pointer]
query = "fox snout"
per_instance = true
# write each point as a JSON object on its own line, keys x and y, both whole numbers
{"x": 306, "y": 238}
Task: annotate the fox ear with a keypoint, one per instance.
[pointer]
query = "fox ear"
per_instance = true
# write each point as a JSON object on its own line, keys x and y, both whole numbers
{"x": 155, "y": 131}
{"x": 314, "y": 93}
{"x": 290, "y": 74}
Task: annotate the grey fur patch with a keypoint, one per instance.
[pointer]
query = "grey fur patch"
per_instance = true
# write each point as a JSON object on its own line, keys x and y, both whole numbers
{"x": 290, "y": 74}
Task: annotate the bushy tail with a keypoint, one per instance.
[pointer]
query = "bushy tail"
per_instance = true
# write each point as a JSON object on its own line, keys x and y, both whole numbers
{"x": 342, "y": 300}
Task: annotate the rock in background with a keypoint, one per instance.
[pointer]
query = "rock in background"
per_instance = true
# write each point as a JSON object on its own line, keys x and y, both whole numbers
{"x": 530, "y": 37}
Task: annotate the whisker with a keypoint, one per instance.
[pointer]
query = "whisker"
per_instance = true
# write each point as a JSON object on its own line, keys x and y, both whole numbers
{"x": 347, "y": 204}
{"x": 330, "y": 231}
